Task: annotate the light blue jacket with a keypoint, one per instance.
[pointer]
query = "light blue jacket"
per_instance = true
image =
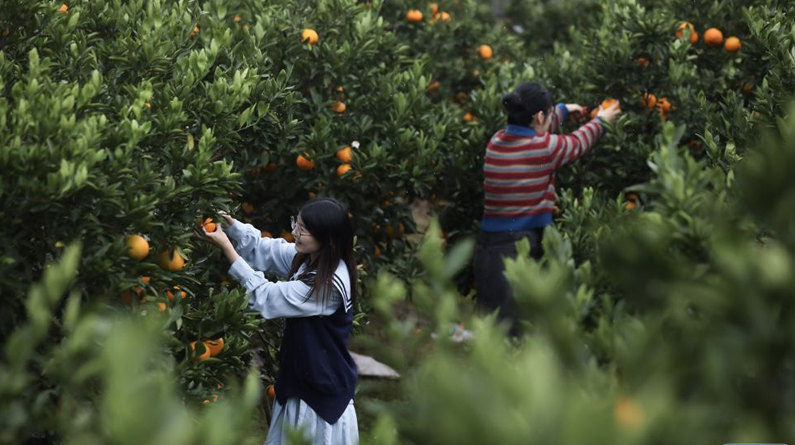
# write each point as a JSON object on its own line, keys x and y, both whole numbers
{"x": 281, "y": 298}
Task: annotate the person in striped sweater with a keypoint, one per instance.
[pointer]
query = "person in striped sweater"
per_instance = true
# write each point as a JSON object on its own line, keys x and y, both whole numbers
{"x": 519, "y": 185}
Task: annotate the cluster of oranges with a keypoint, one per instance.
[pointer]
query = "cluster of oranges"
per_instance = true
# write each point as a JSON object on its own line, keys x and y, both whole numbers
{"x": 415, "y": 15}
{"x": 210, "y": 348}
{"x": 344, "y": 155}
{"x": 170, "y": 260}
{"x": 662, "y": 104}
{"x": 339, "y": 106}
{"x": 712, "y": 37}
{"x": 632, "y": 201}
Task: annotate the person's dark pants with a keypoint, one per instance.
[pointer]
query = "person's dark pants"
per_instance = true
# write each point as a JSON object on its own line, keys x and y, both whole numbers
{"x": 493, "y": 289}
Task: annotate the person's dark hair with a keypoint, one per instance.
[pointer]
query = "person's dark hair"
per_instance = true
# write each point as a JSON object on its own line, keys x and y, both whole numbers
{"x": 328, "y": 221}
{"x": 525, "y": 101}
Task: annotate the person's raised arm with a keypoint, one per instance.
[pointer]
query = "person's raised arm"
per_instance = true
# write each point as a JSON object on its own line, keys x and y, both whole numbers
{"x": 270, "y": 255}
{"x": 569, "y": 147}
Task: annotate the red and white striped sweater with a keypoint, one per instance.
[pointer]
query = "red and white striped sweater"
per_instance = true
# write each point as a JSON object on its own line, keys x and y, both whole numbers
{"x": 519, "y": 172}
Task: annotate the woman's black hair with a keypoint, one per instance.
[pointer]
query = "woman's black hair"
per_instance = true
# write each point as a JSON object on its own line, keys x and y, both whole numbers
{"x": 525, "y": 101}
{"x": 329, "y": 222}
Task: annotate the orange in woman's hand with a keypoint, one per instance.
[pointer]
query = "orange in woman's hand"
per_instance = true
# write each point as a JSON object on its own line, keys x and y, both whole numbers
{"x": 209, "y": 225}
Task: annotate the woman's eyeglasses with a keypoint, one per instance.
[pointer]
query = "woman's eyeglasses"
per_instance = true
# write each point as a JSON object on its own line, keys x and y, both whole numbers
{"x": 294, "y": 225}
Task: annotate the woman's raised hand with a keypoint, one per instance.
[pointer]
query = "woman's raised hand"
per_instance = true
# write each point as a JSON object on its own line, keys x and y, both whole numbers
{"x": 229, "y": 219}
{"x": 610, "y": 113}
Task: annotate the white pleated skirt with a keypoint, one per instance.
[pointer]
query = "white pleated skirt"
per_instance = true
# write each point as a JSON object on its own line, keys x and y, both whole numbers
{"x": 296, "y": 414}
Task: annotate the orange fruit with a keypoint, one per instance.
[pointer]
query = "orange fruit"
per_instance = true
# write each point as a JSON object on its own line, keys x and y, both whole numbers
{"x": 304, "y": 163}
{"x": 265, "y": 234}
{"x": 693, "y": 33}
{"x": 194, "y": 32}
{"x": 632, "y": 197}
{"x": 288, "y": 236}
{"x": 377, "y": 251}
{"x": 345, "y": 154}
{"x": 309, "y": 35}
{"x": 146, "y": 280}
{"x": 137, "y": 247}
{"x": 171, "y": 260}
{"x": 209, "y": 225}
{"x": 342, "y": 169}
{"x": 445, "y": 17}
{"x": 664, "y": 107}
{"x": 648, "y": 101}
{"x": 434, "y": 8}
{"x": 434, "y": 86}
{"x": 338, "y": 107}
{"x": 713, "y": 37}
{"x": 236, "y": 19}
{"x": 63, "y": 9}
{"x": 732, "y": 44}
{"x": 170, "y": 295}
{"x": 629, "y": 414}
{"x": 216, "y": 345}
{"x": 468, "y": 117}
{"x": 204, "y": 355}
{"x": 644, "y": 62}
{"x": 161, "y": 306}
{"x": 485, "y": 51}
{"x": 271, "y": 391}
{"x": 270, "y": 167}
{"x": 607, "y": 103}
{"x": 630, "y": 205}
{"x": 148, "y": 105}
{"x": 414, "y": 16}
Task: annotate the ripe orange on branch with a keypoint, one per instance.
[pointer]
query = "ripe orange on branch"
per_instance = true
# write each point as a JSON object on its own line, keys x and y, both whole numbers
{"x": 171, "y": 260}
{"x": 204, "y": 355}
{"x": 215, "y": 345}
{"x": 485, "y": 51}
{"x": 414, "y": 16}
{"x": 693, "y": 33}
{"x": 343, "y": 168}
{"x": 170, "y": 295}
{"x": 664, "y": 107}
{"x": 345, "y": 154}
{"x": 137, "y": 247}
{"x": 309, "y": 35}
{"x": 648, "y": 101}
{"x": 304, "y": 163}
{"x": 732, "y": 44}
{"x": 713, "y": 37}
